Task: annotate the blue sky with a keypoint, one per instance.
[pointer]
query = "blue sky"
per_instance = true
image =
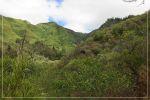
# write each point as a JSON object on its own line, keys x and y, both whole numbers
{"x": 78, "y": 15}
{"x": 59, "y": 22}
{"x": 59, "y": 2}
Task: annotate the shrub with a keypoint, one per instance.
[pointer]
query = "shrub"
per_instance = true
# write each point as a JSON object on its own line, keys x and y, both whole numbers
{"x": 90, "y": 77}
{"x": 17, "y": 77}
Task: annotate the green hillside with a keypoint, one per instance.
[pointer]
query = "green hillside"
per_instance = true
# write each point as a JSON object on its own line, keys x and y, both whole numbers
{"x": 47, "y": 60}
{"x": 111, "y": 61}
{"x": 49, "y": 34}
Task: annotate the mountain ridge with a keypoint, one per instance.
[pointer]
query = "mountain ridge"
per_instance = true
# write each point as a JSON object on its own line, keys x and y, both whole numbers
{"x": 48, "y": 33}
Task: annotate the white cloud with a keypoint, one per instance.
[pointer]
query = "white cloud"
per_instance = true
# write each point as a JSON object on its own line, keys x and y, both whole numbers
{"x": 35, "y": 11}
{"x": 80, "y": 15}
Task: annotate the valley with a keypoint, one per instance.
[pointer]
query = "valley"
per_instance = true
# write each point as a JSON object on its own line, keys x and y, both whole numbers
{"x": 48, "y": 60}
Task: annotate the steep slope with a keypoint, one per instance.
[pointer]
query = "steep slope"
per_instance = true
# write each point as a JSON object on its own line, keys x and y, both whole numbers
{"x": 58, "y": 36}
{"x": 111, "y": 62}
{"x": 49, "y": 34}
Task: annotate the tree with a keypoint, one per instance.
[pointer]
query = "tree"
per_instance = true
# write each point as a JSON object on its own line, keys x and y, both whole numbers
{"x": 21, "y": 43}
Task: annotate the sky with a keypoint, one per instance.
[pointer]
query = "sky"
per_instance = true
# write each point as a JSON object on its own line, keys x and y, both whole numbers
{"x": 78, "y": 15}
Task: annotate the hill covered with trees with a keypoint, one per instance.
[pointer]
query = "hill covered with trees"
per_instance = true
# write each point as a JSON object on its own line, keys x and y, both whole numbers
{"x": 112, "y": 61}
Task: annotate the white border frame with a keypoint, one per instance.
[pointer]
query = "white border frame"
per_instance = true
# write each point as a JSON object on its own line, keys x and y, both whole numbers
{"x": 81, "y": 97}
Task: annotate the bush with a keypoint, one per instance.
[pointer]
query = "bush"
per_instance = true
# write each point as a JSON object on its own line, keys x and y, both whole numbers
{"x": 17, "y": 77}
{"x": 91, "y": 77}
{"x": 50, "y": 52}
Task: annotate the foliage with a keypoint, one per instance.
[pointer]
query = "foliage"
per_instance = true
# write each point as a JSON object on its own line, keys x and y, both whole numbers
{"x": 51, "y": 53}
{"x": 49, "y": 60}
{"x": 91, "y": 77}
{"x": 111, "y": 21}
{"x": 18, "y": 77}
{"x": 123, "y": 49}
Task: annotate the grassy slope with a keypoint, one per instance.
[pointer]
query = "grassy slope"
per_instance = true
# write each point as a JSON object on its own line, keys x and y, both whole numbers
{"x": 49, "y": 33}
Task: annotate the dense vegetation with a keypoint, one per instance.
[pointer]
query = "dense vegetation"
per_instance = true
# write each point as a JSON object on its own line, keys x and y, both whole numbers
{"x": 111, "y": 62}
{"x": 49, "y": 60}
{"x": 28, "y": 52}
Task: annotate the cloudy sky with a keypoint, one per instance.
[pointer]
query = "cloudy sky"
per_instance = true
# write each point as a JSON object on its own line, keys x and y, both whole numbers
{"x": 78, "y": 15}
